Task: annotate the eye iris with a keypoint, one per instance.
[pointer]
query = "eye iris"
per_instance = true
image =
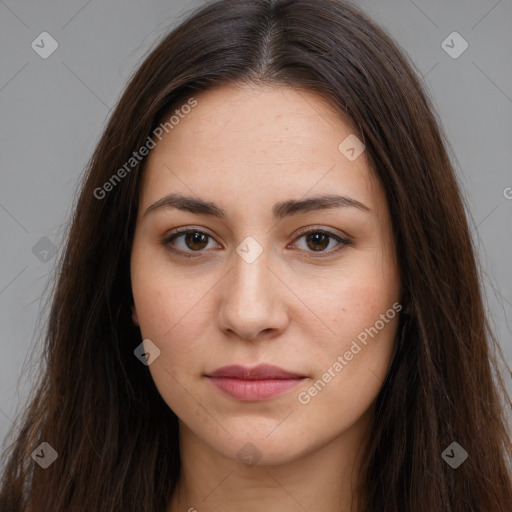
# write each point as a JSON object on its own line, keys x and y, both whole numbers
{"x": 197, "y": 238}
{"x": 318, "y": 238}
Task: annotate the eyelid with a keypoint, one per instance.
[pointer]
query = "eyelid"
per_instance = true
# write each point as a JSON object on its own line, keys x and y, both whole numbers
{"x": 329, "y": 231}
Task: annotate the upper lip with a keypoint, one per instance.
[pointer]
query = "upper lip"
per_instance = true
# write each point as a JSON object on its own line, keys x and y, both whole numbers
{"x": 262, "y": 371}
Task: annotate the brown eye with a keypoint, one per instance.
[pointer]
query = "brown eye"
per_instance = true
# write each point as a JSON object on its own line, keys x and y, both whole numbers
{"x": 195, "y": 240}
{"x": 317, "y": 241}
{"x": 187, "y": 241}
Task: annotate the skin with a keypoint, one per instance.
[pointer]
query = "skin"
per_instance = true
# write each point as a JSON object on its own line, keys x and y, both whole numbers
{"x": 246, "y": 148}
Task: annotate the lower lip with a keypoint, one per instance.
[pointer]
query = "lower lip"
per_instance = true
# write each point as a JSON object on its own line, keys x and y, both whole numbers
{"x": 252, "y": 390}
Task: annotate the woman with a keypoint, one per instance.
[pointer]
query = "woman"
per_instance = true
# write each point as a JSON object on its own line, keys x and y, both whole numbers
{"x": 269, "y": 297}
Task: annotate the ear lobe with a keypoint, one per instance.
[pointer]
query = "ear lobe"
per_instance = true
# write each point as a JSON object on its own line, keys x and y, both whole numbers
{"x": 134, "y": 315}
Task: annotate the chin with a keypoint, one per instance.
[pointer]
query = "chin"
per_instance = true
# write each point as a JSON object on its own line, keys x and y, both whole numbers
{"x": 261, "y": 446}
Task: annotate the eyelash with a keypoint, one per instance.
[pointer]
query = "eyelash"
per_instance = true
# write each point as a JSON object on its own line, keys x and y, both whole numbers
{"x": 167, "y": 241}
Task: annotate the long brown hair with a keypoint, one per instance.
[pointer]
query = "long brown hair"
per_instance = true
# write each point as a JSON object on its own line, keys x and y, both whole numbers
{"x": 97, "y": 405}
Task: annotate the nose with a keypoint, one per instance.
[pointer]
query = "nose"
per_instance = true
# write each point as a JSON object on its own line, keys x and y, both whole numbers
{"x": 253, "y": 300}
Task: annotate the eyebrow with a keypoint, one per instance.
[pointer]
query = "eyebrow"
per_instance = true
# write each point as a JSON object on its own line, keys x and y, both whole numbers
{"x": 279, "y": 210}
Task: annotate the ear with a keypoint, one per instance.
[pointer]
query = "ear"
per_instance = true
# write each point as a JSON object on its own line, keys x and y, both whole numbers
{"x": 134, "y": 315}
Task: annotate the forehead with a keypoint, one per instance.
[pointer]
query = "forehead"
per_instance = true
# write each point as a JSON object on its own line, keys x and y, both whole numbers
{"x": 258, "y": 143}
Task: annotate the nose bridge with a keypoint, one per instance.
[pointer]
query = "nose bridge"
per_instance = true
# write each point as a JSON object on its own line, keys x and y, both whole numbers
{"x": 250, "y": 303}
{"x": 250, "y": 277}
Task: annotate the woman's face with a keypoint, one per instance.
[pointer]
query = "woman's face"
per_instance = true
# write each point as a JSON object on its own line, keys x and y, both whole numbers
{"x": 250, "y": 287}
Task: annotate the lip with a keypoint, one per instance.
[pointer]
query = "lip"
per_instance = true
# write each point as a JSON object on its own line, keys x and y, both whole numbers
{"x": 261, "y": 382}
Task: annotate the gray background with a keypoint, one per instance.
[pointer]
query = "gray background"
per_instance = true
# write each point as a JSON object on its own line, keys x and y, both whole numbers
{"x": 53, "y": 111}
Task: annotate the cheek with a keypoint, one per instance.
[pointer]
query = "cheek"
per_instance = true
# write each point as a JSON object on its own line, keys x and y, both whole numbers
{"x": 167, "y": 313}
{"x": 361, "y": 311}
{"x": 174, "y": 312}
{"x": 351, "y": 369}
{"x": 171, "y": 314}
{"x": 355, "y": 302}
{"x": 162, "y": 296}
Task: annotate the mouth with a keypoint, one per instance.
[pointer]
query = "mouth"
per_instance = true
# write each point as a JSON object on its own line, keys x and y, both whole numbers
{"x": 254, "y": 384}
